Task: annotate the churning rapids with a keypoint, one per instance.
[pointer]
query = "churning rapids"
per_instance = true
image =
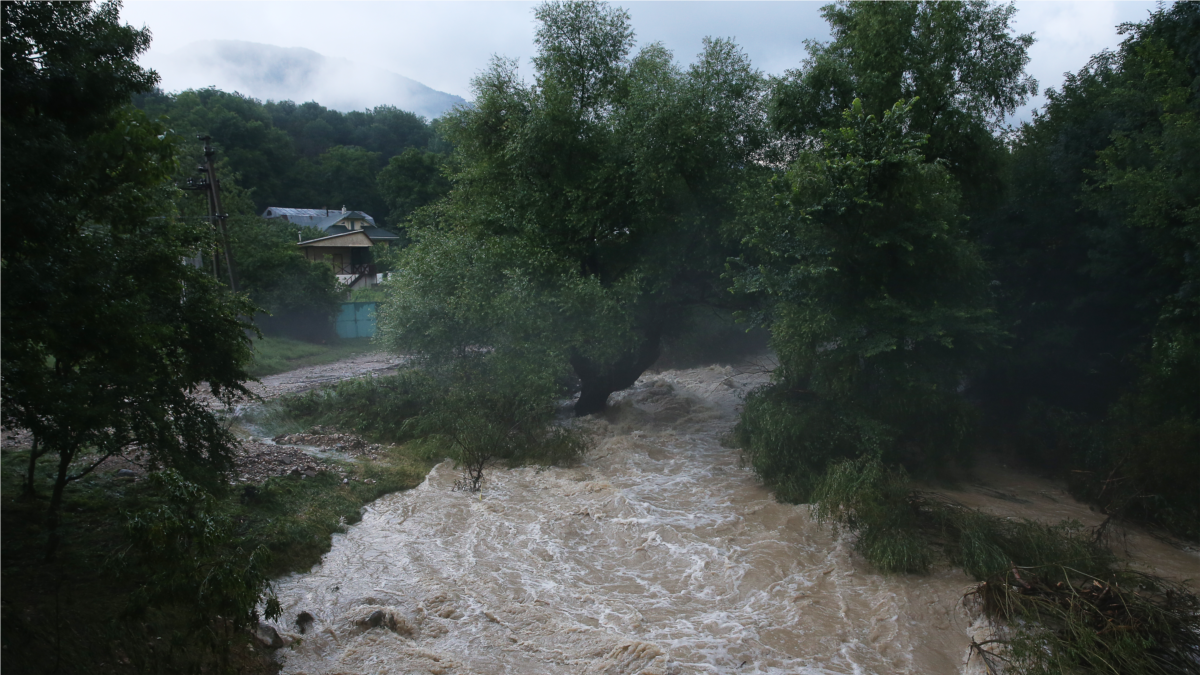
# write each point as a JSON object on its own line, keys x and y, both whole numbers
{"x": 657, "y": 554}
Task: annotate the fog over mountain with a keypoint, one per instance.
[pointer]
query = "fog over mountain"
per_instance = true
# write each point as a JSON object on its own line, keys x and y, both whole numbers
{"x": 267, "y": 72}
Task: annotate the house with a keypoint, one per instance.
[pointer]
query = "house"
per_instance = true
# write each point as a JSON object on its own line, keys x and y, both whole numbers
{"x": 332, "y": 222}
{"x": 349, "y": 237}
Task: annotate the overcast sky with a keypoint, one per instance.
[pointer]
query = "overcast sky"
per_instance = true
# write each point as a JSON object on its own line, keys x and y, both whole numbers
{"x": 444, "y": 44}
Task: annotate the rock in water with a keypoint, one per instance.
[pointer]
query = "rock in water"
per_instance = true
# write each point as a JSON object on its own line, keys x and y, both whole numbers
{"x": 267, "y": 636}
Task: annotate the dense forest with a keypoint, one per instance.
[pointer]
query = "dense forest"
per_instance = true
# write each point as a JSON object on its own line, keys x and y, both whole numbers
{"x": 935, "y": 282}
{"x": 307, "y": 156}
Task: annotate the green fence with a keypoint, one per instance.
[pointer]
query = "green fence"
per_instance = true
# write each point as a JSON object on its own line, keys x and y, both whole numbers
{"x": 357, "y": 319}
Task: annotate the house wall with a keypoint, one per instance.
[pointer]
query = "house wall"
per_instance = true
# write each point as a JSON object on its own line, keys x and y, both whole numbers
{"x": 341, "y": 256}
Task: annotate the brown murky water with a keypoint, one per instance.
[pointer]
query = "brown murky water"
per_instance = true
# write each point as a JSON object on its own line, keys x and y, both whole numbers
{"x": 658, "y": 554}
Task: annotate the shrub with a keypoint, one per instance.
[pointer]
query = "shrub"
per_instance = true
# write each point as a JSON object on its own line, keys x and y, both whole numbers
{"x": 489, "y": 412}
{"x": 381, "y": 409}
{"x": 1147, "y": 463}
{"x": 192, "y": 557}
{"x": 480, "y": 410}
{"x": 789, "y": 438}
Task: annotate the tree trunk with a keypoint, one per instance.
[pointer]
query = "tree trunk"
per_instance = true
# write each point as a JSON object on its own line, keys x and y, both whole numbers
{"x": 600, "y": 380}
{"x": 29, "y": 491}
{"x": 60, "y": 483}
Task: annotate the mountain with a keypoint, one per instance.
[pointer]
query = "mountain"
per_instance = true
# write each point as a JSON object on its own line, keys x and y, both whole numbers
{"x": 267, "y": 72}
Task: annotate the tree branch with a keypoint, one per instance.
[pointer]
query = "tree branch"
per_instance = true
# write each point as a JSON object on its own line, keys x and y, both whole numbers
{"x": 91, "y": 468}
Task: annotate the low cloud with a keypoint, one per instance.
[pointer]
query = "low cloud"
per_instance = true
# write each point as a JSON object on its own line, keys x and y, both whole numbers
{"x": 268, "y": 72}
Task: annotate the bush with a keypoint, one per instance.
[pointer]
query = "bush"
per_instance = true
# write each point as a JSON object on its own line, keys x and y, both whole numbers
{"x": 194, "y": 558}
{"x": 492, "y": 410}
{"x": 1141, "y": 460}
{"x": 299, "y": 297}
{"x": 483, "y": 432}
{"x": 467, "y": 411}
{"x": 1147, "y": 463}
{"x": 790, "y": 437}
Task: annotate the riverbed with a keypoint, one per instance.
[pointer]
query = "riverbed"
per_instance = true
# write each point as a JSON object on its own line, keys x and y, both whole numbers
{"x": 657, "y": 554}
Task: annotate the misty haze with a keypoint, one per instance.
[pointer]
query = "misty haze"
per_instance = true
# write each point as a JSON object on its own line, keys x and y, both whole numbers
{"x": 267, "y": 72}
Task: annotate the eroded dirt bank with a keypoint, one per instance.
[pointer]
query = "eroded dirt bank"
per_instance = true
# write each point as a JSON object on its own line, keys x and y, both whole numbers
{"x": 311, "y": 377}
{"x": 658, "y": 554}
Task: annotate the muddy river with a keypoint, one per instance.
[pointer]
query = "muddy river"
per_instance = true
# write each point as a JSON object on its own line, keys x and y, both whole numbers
{"x": 657, "y": 554}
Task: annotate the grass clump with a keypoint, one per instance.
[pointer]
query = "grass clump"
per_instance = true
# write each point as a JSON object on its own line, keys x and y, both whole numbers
{"x": 278, "y": 354}
{"x": 866, "y": 497}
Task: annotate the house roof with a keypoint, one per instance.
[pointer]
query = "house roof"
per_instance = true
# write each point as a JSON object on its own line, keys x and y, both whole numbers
{"x": 379, "y": 234}
{"x": 334, "y": 219}
{"x": 328, "y": 221}
{"x": 309, "y": 216}
{"x": 353, "y": 238}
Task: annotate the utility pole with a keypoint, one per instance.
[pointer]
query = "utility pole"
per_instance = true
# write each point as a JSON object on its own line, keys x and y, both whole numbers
{"x": 212, "y": 188}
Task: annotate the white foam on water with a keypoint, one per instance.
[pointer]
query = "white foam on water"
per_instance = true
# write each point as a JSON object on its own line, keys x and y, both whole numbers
{"x": 657, "y": 554}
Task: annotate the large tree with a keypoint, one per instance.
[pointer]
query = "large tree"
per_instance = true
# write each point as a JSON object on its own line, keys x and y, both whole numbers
{"x": 108, "y": 333}
{"x": 877, "y": 303}
{"x": 861, "y": 255}
{"x": 611, "y": 172}
{"x": 961, "y": 61}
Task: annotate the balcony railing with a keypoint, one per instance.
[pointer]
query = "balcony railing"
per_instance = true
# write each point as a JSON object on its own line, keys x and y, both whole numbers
{"x": 355, "y": 270}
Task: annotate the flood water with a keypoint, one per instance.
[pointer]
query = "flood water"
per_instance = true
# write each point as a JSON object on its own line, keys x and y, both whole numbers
{"x": 657, "y": 554}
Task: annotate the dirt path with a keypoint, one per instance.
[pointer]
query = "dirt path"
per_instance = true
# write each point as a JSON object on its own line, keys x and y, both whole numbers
{"x": 1007, "y": 492}
{"x": 311, "y": 377}
{"x": 255, "y": 455}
